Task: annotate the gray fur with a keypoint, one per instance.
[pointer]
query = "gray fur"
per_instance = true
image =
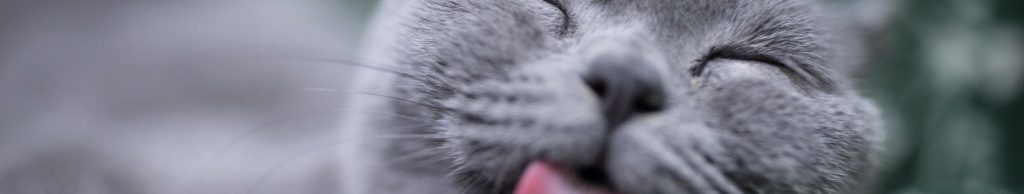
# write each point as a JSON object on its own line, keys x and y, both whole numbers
{"x": 759, "y": 101}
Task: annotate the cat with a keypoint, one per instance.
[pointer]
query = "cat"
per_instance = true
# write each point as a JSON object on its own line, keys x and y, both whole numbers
{"x": 607, "y": 96}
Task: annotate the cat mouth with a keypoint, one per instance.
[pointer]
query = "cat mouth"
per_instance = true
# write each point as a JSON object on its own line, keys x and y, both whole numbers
{"x": 545, "y": 178}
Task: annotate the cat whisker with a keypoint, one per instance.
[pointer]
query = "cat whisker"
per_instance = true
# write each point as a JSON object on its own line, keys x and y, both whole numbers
{"x": 268, "y": 126}
{"x": 666, "y": 156}
{"x": 350, "y": 63}
{"x": 331, "y": 90}
{"x": 409, "y": 136}
{"x": 419, "y": 154}
{"x": 281, "y": 164}
{"x": 718, "y": 180}
{"x": 332, "y": 145}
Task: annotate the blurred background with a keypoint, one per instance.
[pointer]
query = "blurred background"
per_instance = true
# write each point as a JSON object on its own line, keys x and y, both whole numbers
{"x": 243, "y": 96}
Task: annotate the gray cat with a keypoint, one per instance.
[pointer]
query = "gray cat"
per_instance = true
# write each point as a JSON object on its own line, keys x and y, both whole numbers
{"x": 607, "y": 96}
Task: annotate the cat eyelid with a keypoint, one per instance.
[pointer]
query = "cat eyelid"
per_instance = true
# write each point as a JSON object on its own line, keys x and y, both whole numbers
{"x": 733, "y": 52}
{"x": 558, "y": 4}
{"x": 803, "y": 75}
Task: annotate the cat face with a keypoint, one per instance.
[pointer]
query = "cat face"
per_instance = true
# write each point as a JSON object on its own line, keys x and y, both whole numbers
{"x": 656, "y": 96}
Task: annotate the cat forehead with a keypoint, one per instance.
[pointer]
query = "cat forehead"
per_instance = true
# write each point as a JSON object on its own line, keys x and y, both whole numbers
{"x": 699, "y": 6}
{"x": 696, "y": 12}
{"x": 671, "y": 15}
{"x": 660, "y": 12}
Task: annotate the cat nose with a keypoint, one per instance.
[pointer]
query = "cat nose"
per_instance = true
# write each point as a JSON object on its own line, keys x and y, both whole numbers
{"x": 626, "y": 85}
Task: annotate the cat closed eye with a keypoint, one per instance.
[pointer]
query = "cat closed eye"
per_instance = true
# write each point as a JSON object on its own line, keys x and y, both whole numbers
{"x": 564, "y": 20}
{"x": 718, "y": 70}
{"x": 731, "y": 53}
{"x": 798, "y": 75}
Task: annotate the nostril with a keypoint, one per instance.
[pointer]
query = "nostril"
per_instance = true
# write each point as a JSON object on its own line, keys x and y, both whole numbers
{"x": 597, "y": 85}
{"x": 593, "y": 175}
{"x": 625, "y": 86}
{"x": 653, "y": 101}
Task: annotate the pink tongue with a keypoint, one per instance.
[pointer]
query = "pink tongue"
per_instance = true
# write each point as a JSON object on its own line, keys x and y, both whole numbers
{"x": 544, "y": 178}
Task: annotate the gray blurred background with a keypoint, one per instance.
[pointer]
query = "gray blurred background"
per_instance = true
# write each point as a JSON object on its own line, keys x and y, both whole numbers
{"x": 192, "y": 96}
{"x": 234, "y": 96}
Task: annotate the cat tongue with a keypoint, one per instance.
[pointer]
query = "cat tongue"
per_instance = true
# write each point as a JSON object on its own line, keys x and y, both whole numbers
{"x": 544, "y": 178}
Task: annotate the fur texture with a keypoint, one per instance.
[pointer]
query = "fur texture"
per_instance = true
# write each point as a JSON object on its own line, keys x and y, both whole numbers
{"x": 756, "y": 98}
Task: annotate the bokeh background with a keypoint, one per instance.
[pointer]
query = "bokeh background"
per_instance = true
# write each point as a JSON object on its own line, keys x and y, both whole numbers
{"x": 948, "y": 74}
{"x": 243, "y": 96}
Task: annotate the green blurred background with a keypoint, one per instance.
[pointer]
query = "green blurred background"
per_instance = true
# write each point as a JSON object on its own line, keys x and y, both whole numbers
{"x": 948, "y": 76}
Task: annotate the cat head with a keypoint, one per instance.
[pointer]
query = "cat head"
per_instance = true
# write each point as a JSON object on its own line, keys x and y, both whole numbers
{"x": 657, "y": 96}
